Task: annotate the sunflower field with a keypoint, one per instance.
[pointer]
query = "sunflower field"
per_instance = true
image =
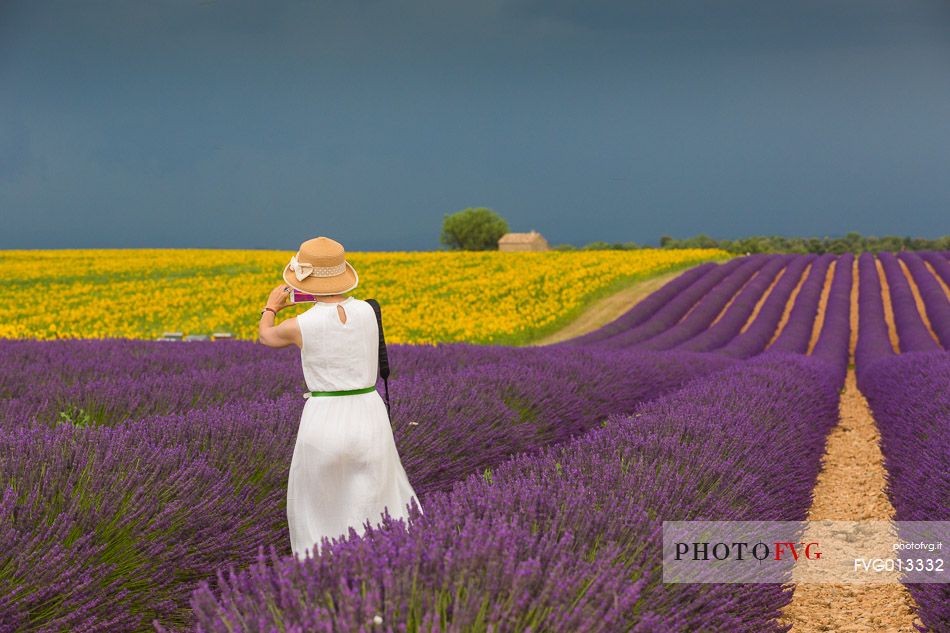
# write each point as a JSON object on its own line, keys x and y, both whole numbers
{"x": 427, "y": 297}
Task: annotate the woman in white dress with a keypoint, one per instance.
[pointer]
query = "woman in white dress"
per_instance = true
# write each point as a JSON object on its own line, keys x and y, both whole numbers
{"x": 345, "y": 468}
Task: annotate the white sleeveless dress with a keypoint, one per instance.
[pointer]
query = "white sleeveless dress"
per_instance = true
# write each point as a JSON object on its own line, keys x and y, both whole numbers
{"x": 345, "y": 468}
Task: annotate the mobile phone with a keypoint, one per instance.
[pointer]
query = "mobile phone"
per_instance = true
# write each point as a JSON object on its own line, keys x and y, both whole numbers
{"x": 301, "y": 297}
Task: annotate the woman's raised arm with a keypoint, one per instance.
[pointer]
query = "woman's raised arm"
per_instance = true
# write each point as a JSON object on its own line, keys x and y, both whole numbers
{"x": 287, "y": 332}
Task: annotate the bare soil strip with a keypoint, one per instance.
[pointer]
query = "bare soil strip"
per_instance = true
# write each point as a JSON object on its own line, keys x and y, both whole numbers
{"x": 765, "y": 295}
{"x": 695, "y": 305}
{"x": 733, "y": 297}
{"x": 789, "y": 304}
{"x": 888, "y": 309}
{"x": 609, "y": 308}
{"x": 850, "y": 487}
{"x": 921, "y": 309}
{"x": 940, "y": 281}
{"x": 822, "y": 306}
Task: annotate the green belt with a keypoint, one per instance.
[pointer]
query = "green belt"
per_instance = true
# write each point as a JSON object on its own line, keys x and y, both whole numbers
{"x": 347, "y": 392}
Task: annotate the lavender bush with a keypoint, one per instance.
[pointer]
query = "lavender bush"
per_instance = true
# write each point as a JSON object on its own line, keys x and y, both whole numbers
{"x": 673, "y": 311}
{"x": 105, "y": 382}
{"x": 911, "y": 331}
{"x": 910, "y": 398}
{"x": 647, "y": 307}
{"x": 736, "y": 315}
{"x": 908, "y": 394}
{"x": 125, "y": 518}
{"x": 874, "y": 343}
{"x": 756, "y": 338}
{"x": 936, "y": 303}
{"x": 834, "y": 338}
{"x": 707, "y": 308}
{"x": 940, "y": 263}
{"x": 569, "y": 539}
{"x": 796, "y": 334}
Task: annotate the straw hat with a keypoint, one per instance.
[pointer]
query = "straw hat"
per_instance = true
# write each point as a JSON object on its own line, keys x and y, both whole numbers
{"x": 320, "y": 268}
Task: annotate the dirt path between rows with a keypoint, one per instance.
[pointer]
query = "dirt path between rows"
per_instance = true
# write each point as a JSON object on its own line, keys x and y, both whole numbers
{"x": 851, "y": 487}
{"x": 918, "y": 300}
{"x": 609, "y": 308}
{"x": 888, "y": 310}
{"x": 789, "y": 304}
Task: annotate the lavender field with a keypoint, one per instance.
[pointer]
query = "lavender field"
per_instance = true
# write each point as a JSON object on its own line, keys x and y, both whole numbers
{"x": 143, "y": 484}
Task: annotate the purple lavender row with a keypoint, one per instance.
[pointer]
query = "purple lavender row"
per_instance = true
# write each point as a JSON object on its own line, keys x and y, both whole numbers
{"x": 670, "y": 314}
{"x": 728, "y": 327}
{"x": 569, "y": 539}
{"x": 940, "y": 263}
{"x": 71, "y": 383}
{"x": 936, "y": 303}
{"x": 910, "y": 398}
{"x": 103, "y": 514}
{"x": 760, "y": 332}
{"x": 707, "y": 308}
{"x": 105, "y": 382}
{"x": 102, "y": 528}
{"x": 484, "y": 414}
{"x": 73, "y": 361}
{"x": 410, "y": 360}
{"x": 160, "y": 376}
{"x": 912, "y": 333}
{"x": 797, "y": 332}
{"x": 646, "y": 308}
{"x": 485, "y": 383}
{"x": 874, "y": 343}
{"x": 834, "y": 340}
{"x": 112, "y": 397}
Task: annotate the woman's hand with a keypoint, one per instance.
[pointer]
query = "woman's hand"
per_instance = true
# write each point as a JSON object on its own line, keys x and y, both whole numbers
{"x": 279, "y": 297}
{"x": 287, "y": 332}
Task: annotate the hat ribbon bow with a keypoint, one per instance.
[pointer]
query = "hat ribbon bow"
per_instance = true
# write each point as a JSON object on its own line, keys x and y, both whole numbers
{"x": 302, "y": 270}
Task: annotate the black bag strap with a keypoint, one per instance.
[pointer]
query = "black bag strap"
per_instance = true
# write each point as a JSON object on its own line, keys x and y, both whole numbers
{"x": 383, "y": 355}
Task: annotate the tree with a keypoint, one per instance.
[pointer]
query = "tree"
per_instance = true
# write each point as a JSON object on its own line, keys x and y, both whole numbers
{"x": 473, "y": 229}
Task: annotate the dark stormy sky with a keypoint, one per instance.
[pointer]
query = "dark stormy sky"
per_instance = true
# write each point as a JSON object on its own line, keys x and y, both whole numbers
{"x": 239, "y": 124}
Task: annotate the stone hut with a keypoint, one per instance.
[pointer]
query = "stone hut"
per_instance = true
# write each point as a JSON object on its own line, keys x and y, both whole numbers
{"x": 532, "y": 241}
